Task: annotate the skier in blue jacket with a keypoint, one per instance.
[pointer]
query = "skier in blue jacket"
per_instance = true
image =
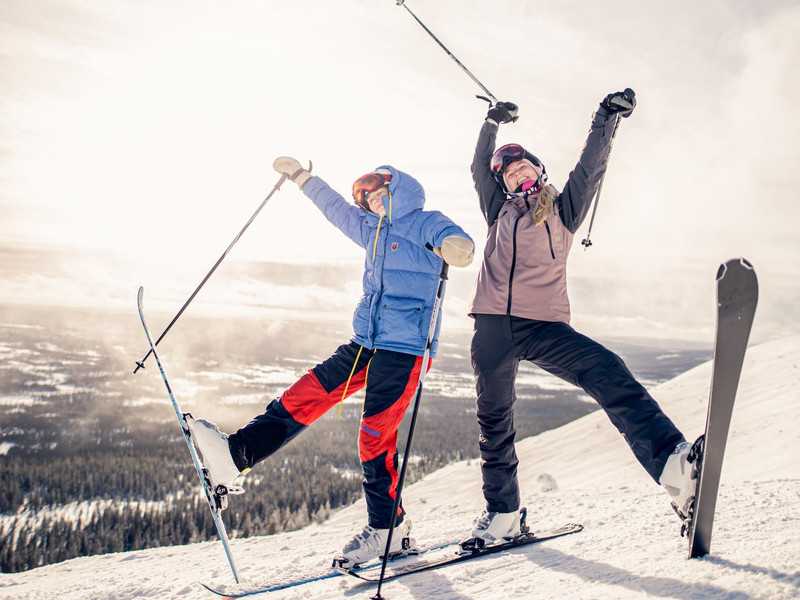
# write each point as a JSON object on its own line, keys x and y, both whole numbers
{"x": 405, "y": 246}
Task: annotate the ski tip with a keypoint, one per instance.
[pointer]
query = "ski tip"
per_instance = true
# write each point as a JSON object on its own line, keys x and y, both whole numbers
{"x": 570, "y": 528}
{"x": 746, "y": 263}
{"x": 721, "y": 271}
{"x": 740, "y": 262}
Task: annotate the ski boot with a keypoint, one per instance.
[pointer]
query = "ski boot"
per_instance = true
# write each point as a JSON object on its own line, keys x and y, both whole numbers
{"x": 493, "y": 528}
{"x": 371, "y": 544}
{"x": 680, "y": 474}
{"x": 218, "y": 467}
{"x": 680, "y": 478}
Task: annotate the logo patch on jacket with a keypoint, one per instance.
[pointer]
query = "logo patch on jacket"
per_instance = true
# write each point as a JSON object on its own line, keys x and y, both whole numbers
{"x": 394, "y": 246}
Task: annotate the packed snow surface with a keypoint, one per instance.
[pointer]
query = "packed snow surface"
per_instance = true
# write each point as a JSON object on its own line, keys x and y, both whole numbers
{"x": 582, "y": 472}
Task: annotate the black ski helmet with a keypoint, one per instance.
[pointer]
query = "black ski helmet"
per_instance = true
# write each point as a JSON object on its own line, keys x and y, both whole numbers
{"x": 504, "y": 156}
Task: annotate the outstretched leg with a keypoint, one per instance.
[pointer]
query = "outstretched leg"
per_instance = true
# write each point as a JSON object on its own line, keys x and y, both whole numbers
{"x": 559, "y": 349}
{"x": 304, "y": 402}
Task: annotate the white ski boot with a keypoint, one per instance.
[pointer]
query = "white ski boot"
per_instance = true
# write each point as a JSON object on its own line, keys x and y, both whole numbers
{"x": 679, "y": 478}
{"x": 371, "y": 543}
{"x": 493, "y": 528}
{"x": 212, "y": 444}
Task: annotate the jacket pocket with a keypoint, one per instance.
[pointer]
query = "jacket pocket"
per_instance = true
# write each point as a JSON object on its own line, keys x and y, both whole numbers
{"x": 361, "y": 317}
{"x": 550, "y": 240}
{"x": 401, "y": 319}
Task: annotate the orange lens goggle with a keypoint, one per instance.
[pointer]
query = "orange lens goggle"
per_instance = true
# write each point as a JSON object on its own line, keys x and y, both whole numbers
{"x": 366, "y": 184}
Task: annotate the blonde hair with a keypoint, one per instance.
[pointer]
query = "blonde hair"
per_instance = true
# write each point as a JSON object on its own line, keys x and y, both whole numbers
{"x": 544, "y": 205}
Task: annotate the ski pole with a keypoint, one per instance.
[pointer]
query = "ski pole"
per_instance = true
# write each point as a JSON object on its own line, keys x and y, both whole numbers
{"x": 586, "y": 242}
{"x": 140, "y": 363}
{"x": 450, "y": 54}
{"x": 437, "y": 303}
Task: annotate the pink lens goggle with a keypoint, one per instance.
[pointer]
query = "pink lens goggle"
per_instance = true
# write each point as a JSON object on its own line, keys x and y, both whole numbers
{"x": 507, "y": 154}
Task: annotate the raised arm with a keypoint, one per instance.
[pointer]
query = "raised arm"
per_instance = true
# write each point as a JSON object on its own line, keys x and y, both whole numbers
{"x": 490, "y": 195}
{"x": 582, "y": 183}
{"x": 341, "y": 213}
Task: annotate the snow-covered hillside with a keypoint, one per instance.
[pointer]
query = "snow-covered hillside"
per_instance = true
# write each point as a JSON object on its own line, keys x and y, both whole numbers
{"x": 630, "y": 547}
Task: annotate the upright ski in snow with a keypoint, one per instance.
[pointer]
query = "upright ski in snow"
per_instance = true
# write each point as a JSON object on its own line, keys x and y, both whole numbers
{"x": 216, "y": 502}
{"x": 737, "y": 296}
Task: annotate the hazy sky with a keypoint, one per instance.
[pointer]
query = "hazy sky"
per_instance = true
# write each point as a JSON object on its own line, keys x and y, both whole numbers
{"x": 142, "y": 134}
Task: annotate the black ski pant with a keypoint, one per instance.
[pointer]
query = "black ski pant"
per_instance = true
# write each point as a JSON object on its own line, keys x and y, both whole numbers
{"x": 500, "y": 342}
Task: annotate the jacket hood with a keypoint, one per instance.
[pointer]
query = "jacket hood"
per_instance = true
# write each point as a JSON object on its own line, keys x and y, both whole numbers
{"x": 407, "y": 194}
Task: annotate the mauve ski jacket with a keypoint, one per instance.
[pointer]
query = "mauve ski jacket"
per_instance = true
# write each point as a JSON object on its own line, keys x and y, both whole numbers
{"x": 401, "y": 272}
{"x": 524, "y": 268}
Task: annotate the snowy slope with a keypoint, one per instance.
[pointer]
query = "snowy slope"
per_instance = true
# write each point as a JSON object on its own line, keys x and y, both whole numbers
{"x": 629, "y": 549}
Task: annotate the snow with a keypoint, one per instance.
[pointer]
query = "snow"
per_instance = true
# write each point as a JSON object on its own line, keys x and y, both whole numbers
{"x": 630, "y": 547}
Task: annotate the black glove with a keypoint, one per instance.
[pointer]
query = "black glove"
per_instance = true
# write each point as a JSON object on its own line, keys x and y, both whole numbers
{"x": 503, "y": 112}
{"x": 620, "y": 102}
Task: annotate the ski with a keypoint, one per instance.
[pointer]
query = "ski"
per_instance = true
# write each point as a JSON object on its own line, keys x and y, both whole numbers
{"x": 240, "y": 591}
{"x": 217, "y": 500}
{"x": 428, "y": 564}
{"x": 252, "y": 589}
{"x": 737, "y": 296}
{"x": 426, "y": 560}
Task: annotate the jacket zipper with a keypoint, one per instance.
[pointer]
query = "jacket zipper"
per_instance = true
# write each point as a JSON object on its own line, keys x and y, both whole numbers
{"x": 513, "y": 266}
{"x": 550, "y": 240}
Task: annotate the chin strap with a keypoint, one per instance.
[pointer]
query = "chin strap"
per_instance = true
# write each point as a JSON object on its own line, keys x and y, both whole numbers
{"x": 528, "y": 188}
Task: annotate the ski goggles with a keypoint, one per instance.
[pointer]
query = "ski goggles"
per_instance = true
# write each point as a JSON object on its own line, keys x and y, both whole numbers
{"x": 507, "y": 154}
{"x": 366, "y": 184}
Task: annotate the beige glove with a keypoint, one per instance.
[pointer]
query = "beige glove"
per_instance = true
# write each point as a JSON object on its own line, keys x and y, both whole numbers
{"x": 292, "y": 168}
{"x": 456, "y": 251}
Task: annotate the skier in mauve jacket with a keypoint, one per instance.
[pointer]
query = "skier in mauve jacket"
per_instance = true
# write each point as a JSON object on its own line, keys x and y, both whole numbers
{"x": 405, "y": 246}
{"x": 522, "y": 312}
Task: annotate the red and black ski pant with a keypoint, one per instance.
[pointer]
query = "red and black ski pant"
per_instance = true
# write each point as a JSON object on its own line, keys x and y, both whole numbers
{"x": 500, "y": 342}
{"x": 391, "y": 381}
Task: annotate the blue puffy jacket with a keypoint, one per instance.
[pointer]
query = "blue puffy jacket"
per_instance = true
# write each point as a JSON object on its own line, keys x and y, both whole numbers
{"x": 401, "y": 272}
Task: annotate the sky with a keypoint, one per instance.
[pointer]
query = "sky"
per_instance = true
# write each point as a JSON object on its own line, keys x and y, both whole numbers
{"x": 136, "y": 139}
{"x": 630, "y": 547}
